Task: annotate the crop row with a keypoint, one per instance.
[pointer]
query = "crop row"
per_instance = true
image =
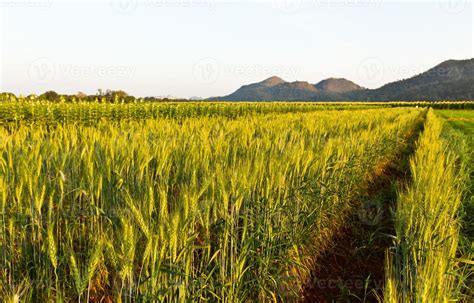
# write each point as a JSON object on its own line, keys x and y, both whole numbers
{"x": 426, "y": 263}
{"x": 91, "y": 113}
{"x": 44, "y": 112}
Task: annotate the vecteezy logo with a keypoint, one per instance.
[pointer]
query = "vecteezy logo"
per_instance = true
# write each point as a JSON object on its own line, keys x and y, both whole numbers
{"x": 451, "y": 73}
{"x": 42, "y": 71}
{"x": 206, "y": 70}
{"x": 370, "y": 71}
{"x": 371, "y": 213}
{"x": 453, "y": 6}
{"x": 26, "y": 3}
{"x": 288, "y": 6}
{"x": 124, "y": 6}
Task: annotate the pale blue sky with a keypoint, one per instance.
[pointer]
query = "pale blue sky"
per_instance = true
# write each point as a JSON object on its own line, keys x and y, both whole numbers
{"x": 209, "y": 48}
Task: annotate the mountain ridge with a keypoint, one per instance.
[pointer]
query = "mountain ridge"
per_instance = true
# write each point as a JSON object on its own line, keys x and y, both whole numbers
{"x": 449, "y": 80}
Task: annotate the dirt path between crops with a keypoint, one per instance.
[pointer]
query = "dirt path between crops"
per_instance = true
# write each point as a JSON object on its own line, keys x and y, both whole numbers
{"x": 352, "y": 268}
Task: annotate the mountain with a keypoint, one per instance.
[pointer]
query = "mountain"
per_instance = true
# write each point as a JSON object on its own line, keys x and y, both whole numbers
{"x": 338, "y": 85}
{"x": 450, "y": 80}
{"x": 277, "y": 89}
{"x": 272, "y": 81}
{"x": 195, "y": 98}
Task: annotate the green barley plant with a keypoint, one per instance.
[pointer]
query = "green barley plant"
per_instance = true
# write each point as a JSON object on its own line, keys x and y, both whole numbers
{"x": 423, "y": 265}
{"x": 179, "y": 202}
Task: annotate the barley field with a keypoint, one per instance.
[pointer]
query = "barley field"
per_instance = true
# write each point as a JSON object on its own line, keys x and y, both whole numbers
{"x": 222, "y": 202}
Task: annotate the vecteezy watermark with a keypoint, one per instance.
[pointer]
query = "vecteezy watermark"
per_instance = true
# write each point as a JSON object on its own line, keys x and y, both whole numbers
{"x": 124, "y": 6}
{"x": 98, "y": 71}
{"x": 43, "y": 71}
{"x": 374, "y": 71}
{"x": 288, "y": 6}
{"x": 339, "y": 283}
{"x": 181, "y": 3}
{"x": 440, "y": 72}
{"x": 261, "y": 71}
{"x": 370, "y": 71}
{"x": 208, "y": 70}
{"x": 371, "y": 212}
{"x": 294, "y": 6}
{"x": 128, "y": 6}
{"x": 26, "y": 3}
{"x": 453, "y": 6}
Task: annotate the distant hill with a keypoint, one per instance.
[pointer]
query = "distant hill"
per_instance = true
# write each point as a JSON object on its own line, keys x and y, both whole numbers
{"x": 338, "y": 85}
{"x": 277, "y": 89}
{"x": 450, "y": 80}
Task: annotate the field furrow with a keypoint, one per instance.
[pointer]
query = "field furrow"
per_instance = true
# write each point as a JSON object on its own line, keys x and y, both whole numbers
{"x": 351, "y": 268}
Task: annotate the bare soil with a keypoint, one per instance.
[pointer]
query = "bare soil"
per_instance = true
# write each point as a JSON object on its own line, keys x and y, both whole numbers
{"x": 352, "y": 268}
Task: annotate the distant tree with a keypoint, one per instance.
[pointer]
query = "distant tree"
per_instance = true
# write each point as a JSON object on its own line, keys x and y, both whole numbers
{"x": 116, "y": 96}
{"x": 7, "y": 97}
{"x": 31, "y": 97}
{"x": 81, "y": 95}
{"x": 50, "y": 96}
{"x": 120, "y": 93}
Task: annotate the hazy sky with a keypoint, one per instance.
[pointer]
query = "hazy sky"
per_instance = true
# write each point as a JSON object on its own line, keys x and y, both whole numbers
{"x": 209, "y": 48}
